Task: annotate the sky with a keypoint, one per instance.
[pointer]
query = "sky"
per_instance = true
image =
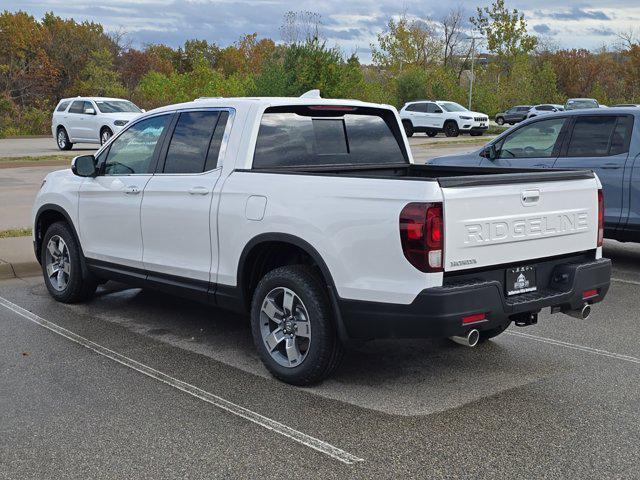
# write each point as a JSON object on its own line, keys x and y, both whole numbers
{"x": 351, "y": 25}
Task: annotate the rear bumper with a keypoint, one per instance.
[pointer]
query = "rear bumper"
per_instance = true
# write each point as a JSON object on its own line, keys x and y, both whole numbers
{"x": 438, "y": 312}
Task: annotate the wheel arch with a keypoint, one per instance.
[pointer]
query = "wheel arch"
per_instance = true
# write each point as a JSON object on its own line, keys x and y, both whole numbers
{"x": 270, "y": 250}
{"x": 48, "y": 214}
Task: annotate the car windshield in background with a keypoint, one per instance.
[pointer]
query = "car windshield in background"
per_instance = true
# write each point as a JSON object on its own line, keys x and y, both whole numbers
{"x": 117, "y": 106}
{"x": 452, "y": 107}
{"x": 579, "y": 104}
{"x": 304, "y": 136}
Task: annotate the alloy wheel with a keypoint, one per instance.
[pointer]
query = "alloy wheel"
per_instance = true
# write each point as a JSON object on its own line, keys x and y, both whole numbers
{"x": 57, "y": 263}
{"x": 285, "y": 327}
{"x": 62, "y": 139}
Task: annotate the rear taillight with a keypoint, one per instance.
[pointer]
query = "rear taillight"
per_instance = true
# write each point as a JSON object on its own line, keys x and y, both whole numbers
{"x": 600, "y": 218}
{"x": 422, "y": 235}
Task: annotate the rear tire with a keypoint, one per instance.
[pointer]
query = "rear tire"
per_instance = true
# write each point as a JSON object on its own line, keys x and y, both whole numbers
{"x": 297, "y": 340}
{"x": 62, "y": 139}
{"x": 432, "y": 133}
{"x": 62, "y": 267}
{"x": 451, "y": 129}
{"x": 408, "y": 128}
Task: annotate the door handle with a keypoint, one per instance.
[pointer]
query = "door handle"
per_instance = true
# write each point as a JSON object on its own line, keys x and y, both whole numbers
{"x": 199, "y": 191}
{"x": 132, "y": 190}
{"x": 610, "y": 166}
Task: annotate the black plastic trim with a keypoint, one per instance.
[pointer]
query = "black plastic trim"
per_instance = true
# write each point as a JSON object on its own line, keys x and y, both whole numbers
{"x": 510, "y": 178}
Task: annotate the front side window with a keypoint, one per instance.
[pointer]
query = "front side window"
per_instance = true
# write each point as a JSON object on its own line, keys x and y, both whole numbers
{"x": 535, "y": 140}
{"x": 117, "y": 106}
{"x": 599, "y": 136}
{"x": 311, "y": 136}
{"x": 191, "y": 142}
{"x": 433, "y": 108}
{"x": 132, "y": 152}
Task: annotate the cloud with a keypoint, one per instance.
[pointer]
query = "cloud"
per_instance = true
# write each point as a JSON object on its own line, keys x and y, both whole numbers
{"x": 576, "y": 13}
{"x": 602, "y": 31}
{"x": 542, "y": 29}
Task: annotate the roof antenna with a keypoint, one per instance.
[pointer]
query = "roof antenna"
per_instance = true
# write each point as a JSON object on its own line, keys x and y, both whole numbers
{"x": 315, "y": 93}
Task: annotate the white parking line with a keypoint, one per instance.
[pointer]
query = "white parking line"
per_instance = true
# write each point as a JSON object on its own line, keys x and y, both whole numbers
{"x": 622, "y": 280}
{"x": 573, "y": 346}
{"x": 220, "y": 402}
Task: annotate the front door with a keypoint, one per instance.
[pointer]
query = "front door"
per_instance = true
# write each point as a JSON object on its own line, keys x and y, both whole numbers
{"x": 109, "y": 207}
{"x": 601, "y": 143}
{"x": 534, "y": 145}
{"x": 179, "y": 228}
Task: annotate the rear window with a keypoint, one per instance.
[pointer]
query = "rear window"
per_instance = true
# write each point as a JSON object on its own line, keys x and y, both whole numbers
{"x": 301, "y": 136}
{"x": 62, "y": 107}
{"x": 599, "y": 136}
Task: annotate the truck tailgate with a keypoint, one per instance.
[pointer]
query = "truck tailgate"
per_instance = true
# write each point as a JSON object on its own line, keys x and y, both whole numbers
{"x": 513, "y": 218}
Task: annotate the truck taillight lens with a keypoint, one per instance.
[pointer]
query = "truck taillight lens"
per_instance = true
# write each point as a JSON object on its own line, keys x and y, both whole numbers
{"x": 422, "y": 235}
{"x": 600, "y": 218}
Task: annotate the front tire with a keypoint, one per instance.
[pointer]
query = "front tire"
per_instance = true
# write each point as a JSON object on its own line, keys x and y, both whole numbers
{"x": 500, "y": 121}
{"x": 61, "y": 261}
{"x": 293, "y": 326}
{"x": 451, "y": 129}
{"x": 62, "y": 139}
{"x": 105, "y": 135}
{"x": 476, "y": 134}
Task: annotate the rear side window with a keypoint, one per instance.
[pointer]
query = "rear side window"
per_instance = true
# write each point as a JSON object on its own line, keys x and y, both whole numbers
{"x": 77, "y": 107}
{"x": 193, "y": 141}
{"x": 417, "y": 107}
{"x": 599, "y": 136}
{"x": 62, "y": 107}
{"x": 308, "y": 136}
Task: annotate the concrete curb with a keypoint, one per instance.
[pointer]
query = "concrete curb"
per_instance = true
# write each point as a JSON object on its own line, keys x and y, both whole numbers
{"x": 19, "y": 269}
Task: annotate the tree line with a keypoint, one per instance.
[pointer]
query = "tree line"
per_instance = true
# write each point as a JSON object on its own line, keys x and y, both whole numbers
{"x": 43, "y": 60}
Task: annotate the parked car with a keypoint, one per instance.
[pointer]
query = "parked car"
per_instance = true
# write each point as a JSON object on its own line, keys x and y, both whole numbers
{"x": 544, "y": 109}
{"x": 513, "y": 115}
{"x": 90, "y": 119}
{"x": 581, "y": 103}
{"x": 432, "y": 117}
{"x": 622, "y": 105}
{"x": 310, "y": 215}
{"x": 600, "y": 140}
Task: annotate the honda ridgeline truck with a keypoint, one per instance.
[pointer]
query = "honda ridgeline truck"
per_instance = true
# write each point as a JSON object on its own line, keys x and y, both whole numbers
{"x": 310, "y": 215}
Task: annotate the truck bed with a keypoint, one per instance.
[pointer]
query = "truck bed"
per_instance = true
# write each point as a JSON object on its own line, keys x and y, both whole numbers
{"x": 446, "y": 176}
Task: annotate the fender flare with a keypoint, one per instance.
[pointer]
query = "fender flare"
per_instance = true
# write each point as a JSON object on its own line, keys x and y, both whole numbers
{"x": 38, "y": 234}
{"x": 313, "y": 253}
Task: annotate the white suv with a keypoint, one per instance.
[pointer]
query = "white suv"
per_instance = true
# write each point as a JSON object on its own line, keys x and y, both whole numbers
{"x": 432, "y": 117}
{"x": 90, "y": 119}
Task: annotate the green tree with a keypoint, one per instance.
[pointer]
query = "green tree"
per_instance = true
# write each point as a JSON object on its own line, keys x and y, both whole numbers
{"x": 99, "y": 77}
{"x": 505, "y": 31}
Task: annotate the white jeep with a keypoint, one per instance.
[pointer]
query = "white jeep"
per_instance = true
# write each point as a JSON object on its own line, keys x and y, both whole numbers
{"x": 433, "y": 117}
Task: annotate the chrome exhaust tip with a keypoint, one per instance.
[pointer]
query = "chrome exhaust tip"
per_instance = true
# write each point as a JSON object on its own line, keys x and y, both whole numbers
{"x": 580, "y": 313}
{"x": 470, "y": 340}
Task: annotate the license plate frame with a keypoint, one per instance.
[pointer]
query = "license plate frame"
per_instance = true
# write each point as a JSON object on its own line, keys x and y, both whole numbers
{"x": 519, "y": 280}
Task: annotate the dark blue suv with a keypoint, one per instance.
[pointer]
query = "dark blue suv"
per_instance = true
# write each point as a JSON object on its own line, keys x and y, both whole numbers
{"x": 605, "y": 140}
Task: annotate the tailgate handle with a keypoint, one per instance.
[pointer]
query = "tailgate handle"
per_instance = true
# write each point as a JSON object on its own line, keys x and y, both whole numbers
{"x": 530, "y": 197}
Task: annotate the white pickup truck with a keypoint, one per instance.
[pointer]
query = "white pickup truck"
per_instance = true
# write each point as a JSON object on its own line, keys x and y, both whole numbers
{"x": 310, "y": 215}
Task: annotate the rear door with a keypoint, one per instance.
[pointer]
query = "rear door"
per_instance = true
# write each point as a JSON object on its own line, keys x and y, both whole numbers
{"x": 513, "y": 218}
{"x": 418, "y": 114}
{"x": 534, "y": 145}
{"x": 601, "y": 143}
{"x": 74, "y": 120}
{"x": 179, "y": 227}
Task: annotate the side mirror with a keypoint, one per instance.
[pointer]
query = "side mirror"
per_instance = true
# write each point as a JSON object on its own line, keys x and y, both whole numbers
{"x": 489, "y": 152}
{"x": 143, "y": 110}
{"x": 84, "y": 166}
{"x": 89, "y": 111}
{"x": 555, "y": 109}
{"x": 438, "y": 110}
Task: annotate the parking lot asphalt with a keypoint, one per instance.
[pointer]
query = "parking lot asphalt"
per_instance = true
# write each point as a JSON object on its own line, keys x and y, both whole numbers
{"x": 136, "y": 384}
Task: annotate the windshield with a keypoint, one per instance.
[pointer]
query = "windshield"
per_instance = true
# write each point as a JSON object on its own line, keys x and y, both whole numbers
{"x": 578, "y": 104}
{"x": 117, "y": 106}
{"x": 452, "y": 107}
